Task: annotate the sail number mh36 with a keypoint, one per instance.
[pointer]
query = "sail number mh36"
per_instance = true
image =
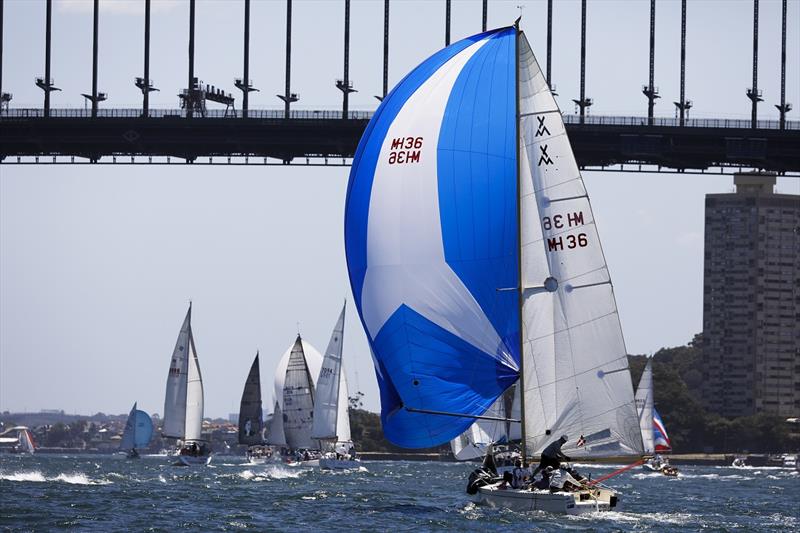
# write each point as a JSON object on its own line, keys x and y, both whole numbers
{"x": 405, "y": 150}
{"x": 569, "y": 242}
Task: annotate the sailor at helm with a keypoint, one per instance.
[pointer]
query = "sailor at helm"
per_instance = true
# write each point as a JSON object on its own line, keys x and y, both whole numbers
{"x": 552, "y": 455}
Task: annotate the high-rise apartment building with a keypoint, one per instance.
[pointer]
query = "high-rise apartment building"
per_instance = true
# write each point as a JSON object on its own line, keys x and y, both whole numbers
{"x": 751, "y": 300}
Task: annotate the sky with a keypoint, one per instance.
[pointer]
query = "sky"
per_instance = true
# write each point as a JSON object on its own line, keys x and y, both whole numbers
{"x": 98, "y": 263}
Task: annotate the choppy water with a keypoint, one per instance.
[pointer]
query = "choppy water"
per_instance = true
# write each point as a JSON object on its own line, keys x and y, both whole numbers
{"x": 102, "y": 493}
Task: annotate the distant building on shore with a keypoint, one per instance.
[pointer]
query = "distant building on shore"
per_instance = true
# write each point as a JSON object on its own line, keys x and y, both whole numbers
{"x": 751, "y": 300}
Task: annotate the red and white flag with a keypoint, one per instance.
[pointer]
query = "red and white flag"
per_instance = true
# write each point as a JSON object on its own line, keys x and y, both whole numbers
{"x": 581, "y": 441}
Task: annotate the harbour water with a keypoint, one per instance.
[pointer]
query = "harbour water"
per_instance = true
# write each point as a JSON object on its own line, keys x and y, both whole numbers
{"x": 110, "y": 493}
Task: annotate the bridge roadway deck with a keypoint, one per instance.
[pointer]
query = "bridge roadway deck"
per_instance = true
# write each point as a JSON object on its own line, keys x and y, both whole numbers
{"x": 601, "y": 141}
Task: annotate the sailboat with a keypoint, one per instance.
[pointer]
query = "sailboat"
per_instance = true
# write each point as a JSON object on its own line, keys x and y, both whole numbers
{"x": 331, "y": 420}
{"x": 183, "y": 405}
{"x": 295, "y": 381}
{"x": 137, "y": 433}
{"x": 17, "y": 439}
{"x": 251, "y": 426}
{"x": 475, "y": 262}
{"x": 654, "y": 435}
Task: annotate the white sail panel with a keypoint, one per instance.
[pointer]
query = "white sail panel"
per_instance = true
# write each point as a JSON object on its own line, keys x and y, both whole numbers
{"x": 275, "y": 433}
{"x": 644, "y": 406}
{"x": 175, "y": 401}
{"x": 327, "y": 398}
{"x": 577, "y": 381}
{"x": 298, "y": 400}
{"x": 194, "y": 395}
{"x": 515, "y": 428}
{"x": 476, "y": 439}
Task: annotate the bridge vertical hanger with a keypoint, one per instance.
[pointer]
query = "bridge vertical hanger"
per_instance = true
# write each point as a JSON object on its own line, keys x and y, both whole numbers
{"x": 145, "y": 84}
{"x": 95, "y": 44}
{"x": 288, "y": 97}
{"x": 683, "y": 105}
{"x": 783, "y": 108}
{"x": 245, "y": 84}
{"x": 650, "y": 90}
{"x": 584, "y": 102}
{"x": 754, "y": 93}
{"x": 485, "y": 14}
{"x": 345, "y": 85}
{"x": 447, "y": 22}
{"x": 385, "y": 51}
{"x": 46, "y": 83}
{"x": 5, "y": 98}
{"x": 192, "y": 80}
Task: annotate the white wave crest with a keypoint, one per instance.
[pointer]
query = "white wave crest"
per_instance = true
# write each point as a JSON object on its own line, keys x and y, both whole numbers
{"x": 79, "y": 478}
{"x": 31, "y": 475}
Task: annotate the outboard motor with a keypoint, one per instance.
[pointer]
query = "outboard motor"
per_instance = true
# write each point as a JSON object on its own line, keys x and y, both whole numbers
{"x": 480, "y": 478}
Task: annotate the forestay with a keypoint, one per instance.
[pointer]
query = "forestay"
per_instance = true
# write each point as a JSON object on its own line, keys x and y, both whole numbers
{"x": 576, "y": 370}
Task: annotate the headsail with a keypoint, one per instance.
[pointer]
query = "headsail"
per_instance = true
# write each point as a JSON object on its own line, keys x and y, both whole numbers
{"x": 250, "y": 414}
{"x": 275, "y": 433}
{"x": 644, "y": 406}
{"x": 431, "y": 239}
{"x": 298, "y": 400}
{"x": 194, "y": 395}
{"x": 576, "y": 370}
{"x": 331, "y": 420}
{"x": 138, "y": 430}
{"x": 174, "y": 424}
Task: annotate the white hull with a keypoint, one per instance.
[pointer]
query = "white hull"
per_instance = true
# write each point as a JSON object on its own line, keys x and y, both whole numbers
{"x": 651, "y": 468}
{"x": 191, "y": 460}
{"x": 338, "y": 464}
{"x": 309, "y": 463}
{"x": 571, "y": 503}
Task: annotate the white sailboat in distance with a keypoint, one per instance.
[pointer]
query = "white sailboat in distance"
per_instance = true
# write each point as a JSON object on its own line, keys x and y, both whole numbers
{"x": 331, "y": 425}
{"x": 183, "y": 404}
{"x": 475, "y": 263}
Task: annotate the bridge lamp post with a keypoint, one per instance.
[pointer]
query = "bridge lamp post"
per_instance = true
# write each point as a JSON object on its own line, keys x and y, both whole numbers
{"x": 345, "y": 85}
{"x": 288, "y": 97}
{"x": 784, "y": 107}
{"x": 245, "y": 84}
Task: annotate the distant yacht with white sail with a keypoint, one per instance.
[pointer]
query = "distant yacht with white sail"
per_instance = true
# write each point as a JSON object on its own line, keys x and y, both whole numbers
{"x": 654, "y": 434}
{"x": 183, "y": 405}
{"x": 331, "y": 418}
{"x": 137, "y": 433}
{"x": 251, "y": 425}
{"x": 17, "y": 439}
{"x": 295, "y": 383}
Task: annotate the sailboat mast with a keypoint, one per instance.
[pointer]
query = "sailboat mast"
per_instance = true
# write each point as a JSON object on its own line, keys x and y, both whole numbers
{"x": 521, "y": 289}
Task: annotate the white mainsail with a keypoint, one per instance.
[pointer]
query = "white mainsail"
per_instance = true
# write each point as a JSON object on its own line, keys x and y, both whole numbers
{"x": 644, "y": 405}
{"x": 575, "y": 364}
{"x": 331, "y": 418}
{"x": 183, "y": 405}
{"x": 298, "y": 400}
{"x": 174, "y": 425}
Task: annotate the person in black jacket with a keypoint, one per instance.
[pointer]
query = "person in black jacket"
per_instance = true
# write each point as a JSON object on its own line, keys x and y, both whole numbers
{"x": 552, "y": 455}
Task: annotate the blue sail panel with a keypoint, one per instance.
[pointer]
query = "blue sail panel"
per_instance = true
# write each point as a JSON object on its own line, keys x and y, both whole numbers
{"x": 144, "y": 429}
{"x": 431, "y": 235}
